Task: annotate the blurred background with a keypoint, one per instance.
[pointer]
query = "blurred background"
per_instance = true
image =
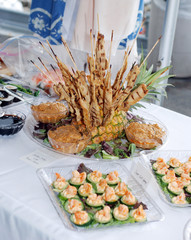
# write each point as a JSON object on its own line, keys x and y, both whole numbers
{"x": 14, "y": 17}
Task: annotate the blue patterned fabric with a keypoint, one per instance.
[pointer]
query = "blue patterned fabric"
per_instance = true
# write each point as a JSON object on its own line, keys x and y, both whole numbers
{"x": 46, "y": 19}
{"x": 123, "y": 43}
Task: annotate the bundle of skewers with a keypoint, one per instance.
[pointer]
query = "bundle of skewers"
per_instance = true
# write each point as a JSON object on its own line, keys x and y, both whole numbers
{"x": 93, "y": 100}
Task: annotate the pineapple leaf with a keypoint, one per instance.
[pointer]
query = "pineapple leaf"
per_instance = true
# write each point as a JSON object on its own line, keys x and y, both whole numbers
{"x": 137, "y": 105}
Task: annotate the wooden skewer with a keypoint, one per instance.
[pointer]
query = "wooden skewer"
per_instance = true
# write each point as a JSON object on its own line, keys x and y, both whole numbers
{"x": 98, "y": 23}
{"x": 56, "y": 57}
{"x": 92, "y": 48}
{"x": 91, "y": 40}
{"x": 110, "y": 49}
{"x": 56, "y": 73}
{"x": 73, "y": 71}
{"x": 69, "y": 52}
{"x": 150, "y": 52}
{"x": 126, "y": 79}
{"x": 41, "y": 70}
{"x": 125, "y": 57}
{"x": 94, "y": 43}
{"x": 47, "y": 51}
{"x": 136, "y": 37}
{"x": 46, "y": 69}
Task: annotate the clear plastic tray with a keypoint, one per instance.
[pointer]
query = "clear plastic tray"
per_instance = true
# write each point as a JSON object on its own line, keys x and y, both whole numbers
{"x": 47, "y": 176}
{"x": 31, "y": 122}
{"x": 187, "y": 231}
{"x": 166, "y": 155}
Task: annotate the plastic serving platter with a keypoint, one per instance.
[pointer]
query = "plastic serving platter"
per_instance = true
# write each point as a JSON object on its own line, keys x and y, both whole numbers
{"x": 47, "y": 176}
{"x": 148, "y": 118}
{"x": 187, "y": 231}
{"x": 166, "y": 155}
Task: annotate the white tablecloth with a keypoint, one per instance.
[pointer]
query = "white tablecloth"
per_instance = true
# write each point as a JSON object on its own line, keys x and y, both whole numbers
{"x": 26, "y": 212}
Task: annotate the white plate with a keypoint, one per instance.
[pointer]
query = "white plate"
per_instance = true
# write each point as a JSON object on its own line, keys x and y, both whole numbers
{"x": 148, "y": 118}
{"x": 166, "y": 155}
{"x": 47, "y": 176}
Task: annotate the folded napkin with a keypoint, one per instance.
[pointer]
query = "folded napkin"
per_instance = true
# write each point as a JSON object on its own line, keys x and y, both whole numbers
{"x": 46, "y": 19}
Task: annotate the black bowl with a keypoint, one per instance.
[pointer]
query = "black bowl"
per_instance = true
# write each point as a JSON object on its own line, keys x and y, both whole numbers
{"x": 12, "y": 122}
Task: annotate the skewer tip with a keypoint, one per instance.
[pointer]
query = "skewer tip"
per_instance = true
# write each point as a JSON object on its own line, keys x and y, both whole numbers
{"x": 32, "y": 61}
{"x": 112, "y": 35}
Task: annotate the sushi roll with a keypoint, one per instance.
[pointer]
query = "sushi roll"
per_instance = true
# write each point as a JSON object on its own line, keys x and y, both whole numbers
{"x": 11, "y": 87}
{"x": 7, "y": 101}
{"x": 3, "y": 94}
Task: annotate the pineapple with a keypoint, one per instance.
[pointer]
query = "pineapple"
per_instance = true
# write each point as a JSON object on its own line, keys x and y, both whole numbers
{"x": 112, "y": 130}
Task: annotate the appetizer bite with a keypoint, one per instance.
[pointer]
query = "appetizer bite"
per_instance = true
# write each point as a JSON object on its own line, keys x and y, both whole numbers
{"x": 101, "y": 186}
{"x": 113, "y": 178}
{"x": 85, "y": 190}
{"x": 94, "y": 177}
{"x": 121, "y": 212}
{"x": 104, "y": 215}
{"x": 109, "y": 195}
{"x": 180, "y": 199}
{"x": 121, "y": 189}
{"x": 73, "y": 205}
{"x": 139, "y": 214}
{"x": 78, "y": 178}
{"x": 129, "y": 199}
{"x": 95, "y": 200}
{"x": 69, "y": 192}
{"x": 60, "y": 183}
{"x": 81, "y": 218}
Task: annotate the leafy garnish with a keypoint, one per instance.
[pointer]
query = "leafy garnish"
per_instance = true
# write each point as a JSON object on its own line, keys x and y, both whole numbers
{"x": 83, "y": 168}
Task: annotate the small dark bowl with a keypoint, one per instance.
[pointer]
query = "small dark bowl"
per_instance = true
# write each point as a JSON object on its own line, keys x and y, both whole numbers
{"x": 12, "y": 122}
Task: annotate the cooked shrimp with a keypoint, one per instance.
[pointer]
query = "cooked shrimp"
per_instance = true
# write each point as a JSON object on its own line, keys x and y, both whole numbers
{"x": 78, "y": 177}
{"x": 113, "y": 176}
{"x": 109, "y": 194}
{"x": 81, "y": 217}
{"x": 70, "y": 191}
{"x": 121, "y": 189}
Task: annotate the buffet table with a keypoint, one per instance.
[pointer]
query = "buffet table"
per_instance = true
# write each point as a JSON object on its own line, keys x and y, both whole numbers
{"x": 26, "y": 211}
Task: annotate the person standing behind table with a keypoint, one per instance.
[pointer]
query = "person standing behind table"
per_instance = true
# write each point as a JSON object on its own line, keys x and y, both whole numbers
{"x": 74, "y": 18}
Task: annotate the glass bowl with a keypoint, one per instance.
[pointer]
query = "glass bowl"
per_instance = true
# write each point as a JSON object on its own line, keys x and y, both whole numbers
{"x": 12, "y": 122}
{"x": 68, "y": 139}
{"x": 48, "y": 110}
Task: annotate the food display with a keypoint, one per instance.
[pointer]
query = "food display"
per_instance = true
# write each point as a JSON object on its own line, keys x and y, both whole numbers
{"x": 119, "y": 148}
{"x": 89, "y": 204}
{"x": 174, "y": 178}
{"x": 49, "y": 112}
{"x": 89, "y": 197}
{"x": 97, "y": 104}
